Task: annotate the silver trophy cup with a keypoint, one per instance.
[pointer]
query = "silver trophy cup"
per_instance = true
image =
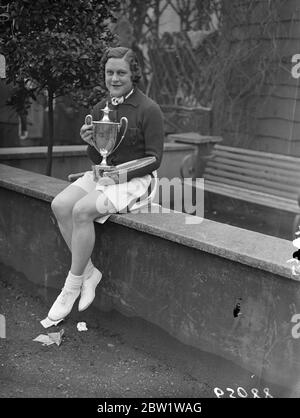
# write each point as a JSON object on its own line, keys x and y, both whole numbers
{"x": 104, "y": 138}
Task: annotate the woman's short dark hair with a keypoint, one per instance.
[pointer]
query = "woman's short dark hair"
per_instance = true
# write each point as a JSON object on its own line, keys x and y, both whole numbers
{"x": 128, "y": 55}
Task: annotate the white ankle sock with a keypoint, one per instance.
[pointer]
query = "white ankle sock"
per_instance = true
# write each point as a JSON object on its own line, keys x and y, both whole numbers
{"x": 73, "y": 282}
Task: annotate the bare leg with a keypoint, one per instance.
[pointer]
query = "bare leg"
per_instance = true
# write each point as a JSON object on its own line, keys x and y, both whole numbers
{"x": 62, "y": 207}
{"x": 83, "y": 235}
{"x": 75, "y": 201}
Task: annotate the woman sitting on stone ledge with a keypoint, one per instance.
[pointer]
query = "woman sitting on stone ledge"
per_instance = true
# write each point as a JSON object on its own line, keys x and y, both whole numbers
{"x": 77, "y": 206}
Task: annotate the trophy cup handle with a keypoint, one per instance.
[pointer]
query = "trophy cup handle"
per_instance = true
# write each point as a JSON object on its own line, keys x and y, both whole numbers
{"x": 125, "y": 120}
{"x": 88, "y": 120}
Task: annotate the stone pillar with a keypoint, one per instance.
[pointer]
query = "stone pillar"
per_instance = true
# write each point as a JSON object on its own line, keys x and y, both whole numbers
{"x": 204, "y": 144}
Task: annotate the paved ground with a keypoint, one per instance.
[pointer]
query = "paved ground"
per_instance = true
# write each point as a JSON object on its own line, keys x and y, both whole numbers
{"x": 116, "y": 357}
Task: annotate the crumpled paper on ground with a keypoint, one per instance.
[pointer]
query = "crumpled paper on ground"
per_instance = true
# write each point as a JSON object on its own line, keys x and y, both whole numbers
{"x": 81, "y": 326}
{"x": 49, "y": 323}
{"x": 50, "y": 338}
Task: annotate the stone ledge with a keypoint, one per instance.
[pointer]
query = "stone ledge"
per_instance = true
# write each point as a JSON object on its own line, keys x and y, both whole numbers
{"x": 40, "y": 151}
{"x": 246, "y": 247}
{"x": 253, "y": 249}
{"x": 31, "y": 184}
{"x": 16, "y": 153}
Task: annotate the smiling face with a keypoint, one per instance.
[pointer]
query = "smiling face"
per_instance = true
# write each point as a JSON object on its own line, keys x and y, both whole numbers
{"x": 118, "y": 77}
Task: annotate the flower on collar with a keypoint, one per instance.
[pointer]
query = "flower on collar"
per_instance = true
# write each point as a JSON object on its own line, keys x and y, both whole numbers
{"x": 119, "y": 100}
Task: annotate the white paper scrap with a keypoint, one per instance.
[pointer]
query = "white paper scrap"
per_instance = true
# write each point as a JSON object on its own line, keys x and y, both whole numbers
{"x": 44, "y": 339}
{"x": 56, "y": 336}
{"x": 49, "y": 323}
{"x": 51, "y": 338}
{"x": 81, "y": 326}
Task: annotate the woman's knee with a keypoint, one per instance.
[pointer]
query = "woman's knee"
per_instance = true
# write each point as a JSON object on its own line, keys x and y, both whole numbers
{"x": 81, "y": 213}
{"x": 61, "y": 207}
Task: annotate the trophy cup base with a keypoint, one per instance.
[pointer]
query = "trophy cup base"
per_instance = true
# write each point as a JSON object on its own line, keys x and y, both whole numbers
{"x": 106, "y": 167}
{"x": 98, "y": 170}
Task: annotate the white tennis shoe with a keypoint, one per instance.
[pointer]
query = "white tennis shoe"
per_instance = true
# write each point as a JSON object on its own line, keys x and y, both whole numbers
{"x": 88, "y": 289}
{"x": 65, "y": 300}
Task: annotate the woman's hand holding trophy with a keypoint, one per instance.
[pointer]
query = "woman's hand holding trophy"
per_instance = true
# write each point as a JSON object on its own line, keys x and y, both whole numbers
{"x": 86, "y": 133}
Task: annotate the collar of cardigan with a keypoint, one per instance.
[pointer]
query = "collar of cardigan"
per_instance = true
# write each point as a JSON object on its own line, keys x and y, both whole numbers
{"x": 119, "y": 100}
{"x": 133, "y": 99}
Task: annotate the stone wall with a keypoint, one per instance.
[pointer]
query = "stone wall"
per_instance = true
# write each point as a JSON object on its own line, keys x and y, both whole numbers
{"x": 185, "y": 278}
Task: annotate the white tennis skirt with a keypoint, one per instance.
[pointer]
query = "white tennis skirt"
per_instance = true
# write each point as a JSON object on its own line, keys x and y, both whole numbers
{"x": 126, "y": 197}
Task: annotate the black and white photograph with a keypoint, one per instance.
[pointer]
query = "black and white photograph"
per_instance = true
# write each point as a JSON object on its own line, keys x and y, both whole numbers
{"x": 150, "y": 204}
